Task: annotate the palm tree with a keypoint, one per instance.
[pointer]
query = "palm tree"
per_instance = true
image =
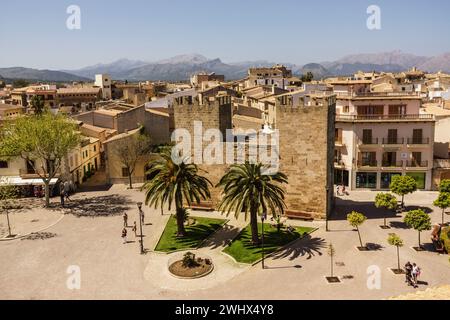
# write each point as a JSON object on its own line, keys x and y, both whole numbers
{"x": 246, "y": 189}
{"x": 172, "y": 183}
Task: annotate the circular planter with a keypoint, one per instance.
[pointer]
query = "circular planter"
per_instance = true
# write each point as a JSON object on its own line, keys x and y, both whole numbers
{"x": 177, "y": 270}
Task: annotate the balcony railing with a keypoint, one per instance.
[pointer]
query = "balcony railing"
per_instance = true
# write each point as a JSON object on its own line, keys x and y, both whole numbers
{"x": 392, "y": 164}
{"x": 384, "y": 117}
{"x": 390, "y": 141}
{"x": 369, "y": 142}
{"x": 417, "y": 164}
{"x": 368, "y": 163}
{"x": 418, "y": 141}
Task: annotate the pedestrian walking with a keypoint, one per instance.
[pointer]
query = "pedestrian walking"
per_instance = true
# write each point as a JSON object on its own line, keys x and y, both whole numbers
{"x": 67, "y": 190}
{"x": 134, "y": 229}
{"x": 408, "y": 273}
{"x": 125, "y": 220}
{"x": 62, "y": 195}
{"x": 142, "y": 216}
{"x": 415, "y": 274}
{"x": 124, "y": 235}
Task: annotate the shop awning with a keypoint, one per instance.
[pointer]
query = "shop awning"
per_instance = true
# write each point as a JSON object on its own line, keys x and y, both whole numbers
{"x": 18, "y": 181}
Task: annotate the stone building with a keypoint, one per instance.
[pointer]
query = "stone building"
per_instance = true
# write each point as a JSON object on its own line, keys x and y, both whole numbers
{"x": 306, "y": 133}
{"x": 306, "y": 130}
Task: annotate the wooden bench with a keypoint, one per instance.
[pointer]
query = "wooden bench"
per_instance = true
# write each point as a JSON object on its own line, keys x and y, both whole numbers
{"x": 202, "y": 206}
{"x": 299, "y": 215}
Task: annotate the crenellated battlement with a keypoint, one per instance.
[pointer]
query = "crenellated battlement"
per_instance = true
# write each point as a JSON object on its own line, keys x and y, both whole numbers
{"x": 201, "y": 104}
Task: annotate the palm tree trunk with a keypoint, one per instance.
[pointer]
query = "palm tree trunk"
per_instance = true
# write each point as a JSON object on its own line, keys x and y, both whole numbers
{"x": 254, "y": 226}
{"x": 180, "y": 223}
{"x": 403, "y": 201}
{"x": 398, "y": 258}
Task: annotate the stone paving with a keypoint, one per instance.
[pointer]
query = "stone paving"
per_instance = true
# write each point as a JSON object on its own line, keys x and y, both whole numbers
{"x": 37, "y": 269}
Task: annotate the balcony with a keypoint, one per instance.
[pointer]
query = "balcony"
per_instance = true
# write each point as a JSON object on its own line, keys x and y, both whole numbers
{"x": 367, "y": 164}
{"x": 442, "y": 164}
{"x": 369, "y": 142}
{"x": 418, "y": 142}
{"x": 390, "y": 141}
{"x": 384, "y": 117}
{"x": 392, "y": 164}
{"x": 417, "y": 164}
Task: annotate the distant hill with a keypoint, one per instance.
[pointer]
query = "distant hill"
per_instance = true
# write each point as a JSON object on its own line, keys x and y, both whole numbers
{"x": 181, "y": 67}
{"x": 43, "y": 75}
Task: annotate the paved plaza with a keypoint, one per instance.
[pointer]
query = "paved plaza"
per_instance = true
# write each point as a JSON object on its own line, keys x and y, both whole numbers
{"x": 34, "y": 268}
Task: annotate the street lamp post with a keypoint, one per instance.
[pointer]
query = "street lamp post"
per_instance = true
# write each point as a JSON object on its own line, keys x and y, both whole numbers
{"x": 139, "y": 204}
{"x": 263, "y": 217}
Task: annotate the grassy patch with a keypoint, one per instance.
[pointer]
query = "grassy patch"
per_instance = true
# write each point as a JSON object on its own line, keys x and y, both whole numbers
{"x": 195, "y": 234}
{"x": 244, "y": 251}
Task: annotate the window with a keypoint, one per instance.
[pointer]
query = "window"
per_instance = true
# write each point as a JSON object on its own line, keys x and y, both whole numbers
{"x": 3, "y": 164}
{"x": 416, "y": 159}
{"x": 341, "y": 177}
{"x": 390, "y": 159}
{"x": 370, "y": 110}
{"x": 386, "y": 178}
{"x": 420, "y": 178}
{"x": 417, "y": 136}
{"x": 346, "y": 109}
{"x": 125, "y": 172}
{"x": 369, "y": 159}
{"x": 392, "y": 136}
{"x": 366, "y": 180}
{"x": 367, "y": 136}
{"x": 397, "y": 110}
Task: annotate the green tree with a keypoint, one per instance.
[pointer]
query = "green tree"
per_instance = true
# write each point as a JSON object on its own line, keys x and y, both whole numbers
{"x": 386, "y": 201}
{"x": 42, "y": 141}
{"x": 171, "y": 182}
{"x": 130, "y": 150}
{"x": 443, "y": 202}
{"x": 418, "y": 220}
{"x": 444, "y": 186}
{"x": 38, "y": 105}
{"x": 403, "y": 185}
{"x": 247, "y": 189}
{"x": 20, "y": 83}
{"x": 355, "y": 219}
{"x": 308, "y": 77}
{"x": 395, "y": 240}
{"x": 8, "y": 193}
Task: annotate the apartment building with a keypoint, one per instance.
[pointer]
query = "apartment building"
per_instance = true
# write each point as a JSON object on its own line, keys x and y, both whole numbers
{"x": 83, "y": 98}
{"x": 277, "y": 75}
{"x": 84, "y": 160}
{"x": 198, "y": 79}
{"x": 381, "y": 135}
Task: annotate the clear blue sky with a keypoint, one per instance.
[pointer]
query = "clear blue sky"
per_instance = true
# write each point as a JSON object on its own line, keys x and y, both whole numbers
{"x": 34, "y": 33}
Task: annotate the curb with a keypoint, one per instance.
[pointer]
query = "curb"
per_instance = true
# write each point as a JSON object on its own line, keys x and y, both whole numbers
{"x": 40, "y": 230}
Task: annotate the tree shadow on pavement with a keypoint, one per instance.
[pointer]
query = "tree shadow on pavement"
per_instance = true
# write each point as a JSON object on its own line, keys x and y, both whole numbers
{"x": 306, "y": 247}
{"x": 345, "y": 206}
{"x": 102, "y": 206}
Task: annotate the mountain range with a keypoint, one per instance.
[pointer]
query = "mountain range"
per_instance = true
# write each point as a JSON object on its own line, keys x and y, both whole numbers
{"x": 181, "y": 67}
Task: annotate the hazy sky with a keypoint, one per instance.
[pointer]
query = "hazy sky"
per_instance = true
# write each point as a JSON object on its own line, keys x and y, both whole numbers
{"x": 34, "y": 33}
